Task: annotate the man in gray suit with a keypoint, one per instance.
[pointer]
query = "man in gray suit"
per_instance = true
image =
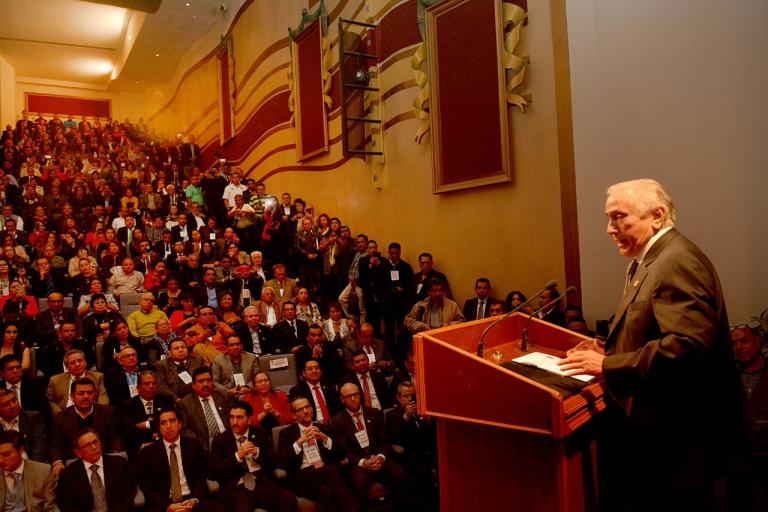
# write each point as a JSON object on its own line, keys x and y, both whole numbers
{"x": 374, "y": 348}
{"x": 58, "y": 392}
{"x": 233, "y": 371}
{"x": 674, "y": 423}
{"x": 174, "y": 375}
{"x": 28, "y": 423}
{"x": 204, "y": 412}
{"x": 27, "y": 485}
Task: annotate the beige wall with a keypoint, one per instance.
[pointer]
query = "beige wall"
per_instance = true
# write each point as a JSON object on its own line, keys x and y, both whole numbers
{"x": 674, "y": 91}
{"x": 8, "y": 114}
{"x": 511, "y": 233}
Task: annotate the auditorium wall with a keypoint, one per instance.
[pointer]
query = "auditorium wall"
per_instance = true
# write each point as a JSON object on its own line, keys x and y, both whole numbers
{"x": 674, "y": 91}
{"x": 511, "y": 233}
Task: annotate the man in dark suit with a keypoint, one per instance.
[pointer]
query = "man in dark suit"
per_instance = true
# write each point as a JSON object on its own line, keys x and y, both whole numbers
{"x": 125, "y": 235}
{"x": 245, "y": 288}
{"x": 30, "y": 392}
{"x": 33, "y": 482}
{"x": 360, "y": 431}
{"x": 182, "y": 231}
{"x": 242, "y": 460}
{"x": 328, "y": 353}
{"x": 290, "y": 331}
{"x": 371, "y": 382}
{"x": 160, "y": 465}
{"x": 233, "y": 371}
{"x": 675, "y": 419}
{"x": 374, "y": 348}
{"x": 190, "y": 155}
{"x": 550, "y": 311}
{"x": 28, "y": 424}
{"x": 204, "y": 412}
{"x": 257, "y": 338}
{"x": 174, "y": 375}
{"x": 48, "y": 322}
{"x": 137, "y": 414}
{"x": 122, "y": 381}
{"x": 479, "y": 306}
{"x": 310, "y": 456}
{"x": 96, "y": 481}
{"x": 164, "y": 247}
{"x": 84, "y": 413}
{"x": 322, "y": 395}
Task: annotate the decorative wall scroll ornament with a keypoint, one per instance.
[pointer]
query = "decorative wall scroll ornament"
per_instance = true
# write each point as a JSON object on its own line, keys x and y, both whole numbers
{"x": 513, "y": 17}
{"x": 309, "y": 80}
{"x": 516, "y": 66}
{"x": 307, "y": 19}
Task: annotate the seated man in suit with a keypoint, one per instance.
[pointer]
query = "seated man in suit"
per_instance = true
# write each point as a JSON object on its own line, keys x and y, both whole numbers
{"x": 29, "y": 424}
{"x": 53, "y": 354}
{"x": 418, "y": 438}
{"x": 33, "y": 483}
{"x": 374, "y": 348}
{"x": 126, "y": 279}
{"x": 257, "y": 338}
{"x": 285, "y": 287}
{"x": 171, "y": 471}
{"x": 309, "y": 454}
{"x": 479, "y": 306}
{"x": 435, "y": 311}
{"x": 290, "y": 332}
{"x": 122, "y": 381}
{"x": 96, "y": 481}
{"x": 360, "y": 432}
{"x": 174, "y": 374}
{"x": 242, "y": 460}
{"x": 59, "y": 386}
{"x": 83, "y": 413}
{"x": 29, "y": 391}
{"x": 204, "y": 412}
{"x": 321, "y": 394}
{"x": 330, "y": 354}
{"x": 138, "y": 412}
{"x": 371, "y": 382}
{"x": 269, "y": 306}
{"x": 49, "y": 321}
{"x": 245, "y": 288}
{"x": 233, "y": 372}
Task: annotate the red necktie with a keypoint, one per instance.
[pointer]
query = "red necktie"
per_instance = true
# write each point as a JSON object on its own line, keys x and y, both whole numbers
{"x": 367, "y": 391}
{"x": 359, "y": 421}
{"x": 321, "y": 402}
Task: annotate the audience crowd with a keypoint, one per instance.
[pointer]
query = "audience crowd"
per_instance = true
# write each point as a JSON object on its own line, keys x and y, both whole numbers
{"x": 190, "y": 289}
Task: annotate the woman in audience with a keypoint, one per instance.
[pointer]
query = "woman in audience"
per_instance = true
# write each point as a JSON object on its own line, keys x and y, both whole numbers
{"x": 228, "y": 311}
{"x": 119, "y": 339}
{"x": 96, "y": 288}
{"x": 186, "y": 317}
{"x": 100, "y": 321}
{"x": 270, "y": 407}
{"x": 208, "y": 256}
{"x": 172, "y": 219}
{"x": 12, "y": 343}
{"x": 169, "y": 300}
{"x": 336, "y": 328}
{"x": 159, "y": 346}
{"x": 25, "y": 303}
{"x": 110, "y": 236}
{"x": 74, "y": 262}
{"x": 6, "y": 276}
{"x": 514, "y": 299}
{"x": 306, "y": 309}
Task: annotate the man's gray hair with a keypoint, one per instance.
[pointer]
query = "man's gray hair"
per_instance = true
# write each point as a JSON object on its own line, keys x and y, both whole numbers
{"x": 647, "y": 195}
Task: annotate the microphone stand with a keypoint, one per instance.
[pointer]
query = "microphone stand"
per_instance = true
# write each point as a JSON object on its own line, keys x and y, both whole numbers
{"x": 524, "y": 341}
{"x": 481, "y": 342}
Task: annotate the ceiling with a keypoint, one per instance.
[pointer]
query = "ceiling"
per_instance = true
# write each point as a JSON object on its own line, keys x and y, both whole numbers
{"x": 106, "y": 47}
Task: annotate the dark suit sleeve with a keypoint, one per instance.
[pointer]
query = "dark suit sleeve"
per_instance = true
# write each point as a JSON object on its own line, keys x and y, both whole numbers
{"x": 37, "y": 442}
{"x": 73, "y": 492}
{"x": 222, "y": 464}
{"x": 286, "y": 455}
{"x": 147, "y": 471}
{"x": 120, "y": 486}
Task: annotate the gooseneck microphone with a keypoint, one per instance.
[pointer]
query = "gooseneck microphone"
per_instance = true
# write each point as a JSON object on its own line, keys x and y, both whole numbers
{"x": 481, "y": 342}
{"x": 524, "y": 341}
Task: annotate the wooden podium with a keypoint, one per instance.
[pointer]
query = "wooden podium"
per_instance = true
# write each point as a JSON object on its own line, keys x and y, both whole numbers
{"x": 506, "y": 442}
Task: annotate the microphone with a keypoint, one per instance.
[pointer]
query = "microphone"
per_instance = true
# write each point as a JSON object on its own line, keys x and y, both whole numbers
{"x": 481, "y": 343}
{"x": 524, "y": 341}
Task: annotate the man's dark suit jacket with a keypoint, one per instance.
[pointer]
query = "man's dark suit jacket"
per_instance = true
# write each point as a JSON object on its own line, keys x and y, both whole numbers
{"x": 285, "y": 336}
{"x": 168, "y": 380}
{"x": 153, "y": 472}
{"x": 344, "y": 427}
{"x": 65, "y": 428}
{"x": 224, "y": 467}
{"x": 32, "y": 394}
{"x": 669, "y": 364}
{"x": 379, "y": 385}
{"x": 32, "y": 427}
{"x": 193, "y": 417}
{"x": 332, "y": 400}
{"x": 266, "y": 338}
{"x": 187, "y": 160}
{"x": 291, "y": 461}
{"x": 45, "y": 332}
{"x": 253, "y": 284}
{"x": 132, "y": 412}
{"x": 470, "y": 308}
{"x": 73, "y": 491}
{"x": 176, "y": 232}
{"x": 331, "y": 362}
{"x": 117, "y": 386}
{"x": 53, "y": 356}
{"x": 122, "y": 236}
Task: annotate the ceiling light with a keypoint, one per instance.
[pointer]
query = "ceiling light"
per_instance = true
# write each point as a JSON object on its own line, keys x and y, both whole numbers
{"x": 93, "y": 67}
{"x": 157, "y": 55}
{"x": 187, "y": 4}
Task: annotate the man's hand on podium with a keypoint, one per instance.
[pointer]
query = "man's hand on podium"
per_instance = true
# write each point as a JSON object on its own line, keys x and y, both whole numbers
{"x": 586, "y": 358}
